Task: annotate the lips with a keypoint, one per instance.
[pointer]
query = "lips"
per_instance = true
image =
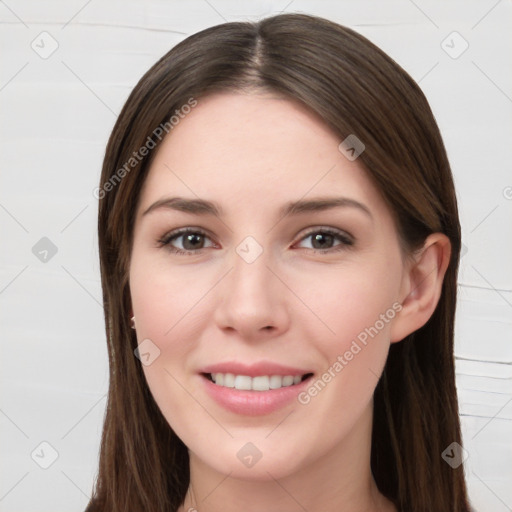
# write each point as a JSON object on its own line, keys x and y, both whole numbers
{"x": 256, "y": 389}
{"x": 255, "y": 369}
{"x": 261, "y": 376}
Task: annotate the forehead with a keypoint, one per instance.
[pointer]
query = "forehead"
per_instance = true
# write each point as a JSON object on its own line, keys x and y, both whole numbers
{"x": 242, "y": 149}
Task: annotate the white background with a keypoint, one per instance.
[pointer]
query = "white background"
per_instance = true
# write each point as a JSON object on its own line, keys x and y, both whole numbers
{"x": 56, "y": 115}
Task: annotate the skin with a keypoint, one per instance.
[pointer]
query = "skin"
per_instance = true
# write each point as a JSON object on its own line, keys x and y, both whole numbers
{"x": 294, "y": 305}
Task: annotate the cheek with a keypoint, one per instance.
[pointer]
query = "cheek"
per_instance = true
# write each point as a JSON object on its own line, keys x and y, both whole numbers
{"x": 163, "y": 307}
{"x": 357, "y": 315}
{"x": 350, "y": 301}
{"x": 168, "y": 312}
{"x": 163, "y": 301}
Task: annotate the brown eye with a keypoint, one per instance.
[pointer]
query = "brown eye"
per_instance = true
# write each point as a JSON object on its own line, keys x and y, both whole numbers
{"x": 190, "y": 240}
{"x": 322, "y": 241}
{"x": 328, "y": 239}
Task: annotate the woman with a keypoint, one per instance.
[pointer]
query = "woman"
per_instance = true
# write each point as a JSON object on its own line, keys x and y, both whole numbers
{"x": 279, "y": 244}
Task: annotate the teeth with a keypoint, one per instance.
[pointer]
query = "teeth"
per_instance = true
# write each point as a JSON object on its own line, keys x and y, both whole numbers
{"x": 276, "y": 381}
{"x": 259, "y": 383}
{"x": 229, "y": 380}
{"x": 287, "y": 380}
{"x": 243, "y": 382}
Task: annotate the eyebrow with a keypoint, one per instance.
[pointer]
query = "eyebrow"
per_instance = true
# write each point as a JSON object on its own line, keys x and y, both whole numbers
{"x": 204, "y": 207}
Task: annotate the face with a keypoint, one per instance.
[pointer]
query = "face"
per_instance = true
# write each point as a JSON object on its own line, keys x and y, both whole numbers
{"x": 291, "y": 305}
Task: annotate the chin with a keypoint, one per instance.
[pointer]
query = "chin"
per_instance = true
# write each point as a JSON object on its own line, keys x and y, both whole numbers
{"x": 254, "y": 461}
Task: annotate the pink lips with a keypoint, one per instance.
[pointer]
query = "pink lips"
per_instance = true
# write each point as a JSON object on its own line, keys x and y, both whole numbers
{"x": 253, "y": 370}
{"x": 253, "y": 403}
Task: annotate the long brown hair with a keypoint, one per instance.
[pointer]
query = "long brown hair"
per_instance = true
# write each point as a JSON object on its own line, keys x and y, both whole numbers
{"x": 356, "y": 89}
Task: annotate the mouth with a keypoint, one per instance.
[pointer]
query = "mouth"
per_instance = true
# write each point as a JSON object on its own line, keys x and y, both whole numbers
{"x": 256, "y": 383}
{"x": 255, "y": 389}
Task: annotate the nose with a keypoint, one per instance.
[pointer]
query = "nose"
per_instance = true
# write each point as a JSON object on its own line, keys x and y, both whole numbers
{"x": 253, "y": 302}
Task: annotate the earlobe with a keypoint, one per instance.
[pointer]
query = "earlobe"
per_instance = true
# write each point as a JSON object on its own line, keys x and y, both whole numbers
{"x": 422, "y": 285}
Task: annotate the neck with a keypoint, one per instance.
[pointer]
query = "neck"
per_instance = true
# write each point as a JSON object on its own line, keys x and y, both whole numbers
{"x": 338, "y": 480}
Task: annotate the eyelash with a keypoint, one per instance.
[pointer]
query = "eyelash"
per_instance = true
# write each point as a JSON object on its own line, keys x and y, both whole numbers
{"x": 345, "y": 239}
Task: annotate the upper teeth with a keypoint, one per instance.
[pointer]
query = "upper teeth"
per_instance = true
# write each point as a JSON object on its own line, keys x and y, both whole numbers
{"x": 260, "y": 383}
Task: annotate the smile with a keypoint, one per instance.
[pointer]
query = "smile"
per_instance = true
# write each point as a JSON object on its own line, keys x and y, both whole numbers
{"x": 256, "y": 388}
{"x": 257, "y": 383}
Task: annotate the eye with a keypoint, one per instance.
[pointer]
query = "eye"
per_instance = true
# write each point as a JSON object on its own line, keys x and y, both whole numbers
{"x": 323, "y": 239}
{"x": 192, "y": 241}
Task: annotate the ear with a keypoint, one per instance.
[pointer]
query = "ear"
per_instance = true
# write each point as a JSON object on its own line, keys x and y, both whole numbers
{"x": 422, "y": 285}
